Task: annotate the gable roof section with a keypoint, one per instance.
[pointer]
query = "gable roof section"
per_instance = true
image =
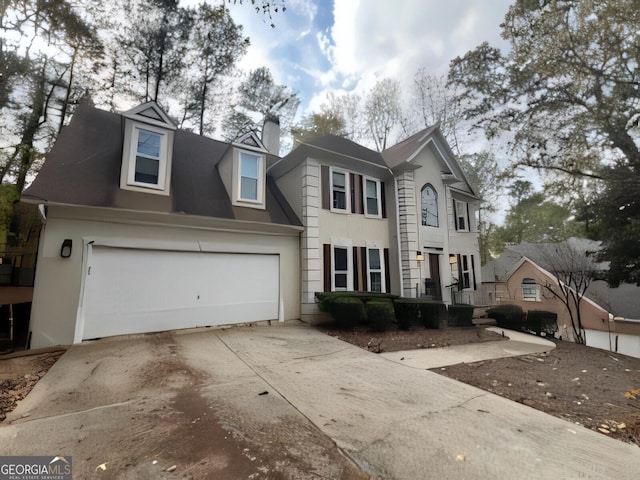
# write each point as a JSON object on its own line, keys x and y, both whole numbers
{"x": 150, "y": 112}
{"x": 83, "y": 168}
{"x": 407, "y": 149}
{"x": 403, "y": 154}
{"x": 331, "y": 144}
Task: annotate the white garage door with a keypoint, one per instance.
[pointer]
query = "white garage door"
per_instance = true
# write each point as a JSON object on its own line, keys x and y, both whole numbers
{"x": 135, "y": 291}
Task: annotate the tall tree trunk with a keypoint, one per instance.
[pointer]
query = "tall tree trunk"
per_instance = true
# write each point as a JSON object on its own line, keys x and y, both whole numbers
{"x": 25, "y": 152}
{"x": 161, "y": 52}
{"x": 65, "y": 103}
{"x": 203, "y": 100}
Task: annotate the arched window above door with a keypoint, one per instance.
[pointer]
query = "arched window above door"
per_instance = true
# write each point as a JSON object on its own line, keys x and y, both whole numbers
{"x": 429, "y": 206}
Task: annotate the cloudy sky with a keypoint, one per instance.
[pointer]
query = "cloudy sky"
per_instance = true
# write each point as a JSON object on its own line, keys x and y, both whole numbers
{"x": 346, "y": 45}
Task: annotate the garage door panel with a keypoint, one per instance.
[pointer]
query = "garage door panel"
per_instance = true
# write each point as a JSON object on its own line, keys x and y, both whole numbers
{"x": 135, "y": 291}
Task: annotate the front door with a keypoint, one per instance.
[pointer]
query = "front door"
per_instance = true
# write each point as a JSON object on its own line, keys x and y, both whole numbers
{"x": 433, "y": 286}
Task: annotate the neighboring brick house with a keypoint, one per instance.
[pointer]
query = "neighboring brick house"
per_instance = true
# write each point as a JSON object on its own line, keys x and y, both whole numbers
{"x": 610, "y": 317}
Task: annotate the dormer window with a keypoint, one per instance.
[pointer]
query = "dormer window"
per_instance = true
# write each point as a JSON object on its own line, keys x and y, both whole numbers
{"x": 150, "y": 153}
{"x": 147, "y": 150}
{"x": 250, "y": 174}
{"x": 249, "y": 178}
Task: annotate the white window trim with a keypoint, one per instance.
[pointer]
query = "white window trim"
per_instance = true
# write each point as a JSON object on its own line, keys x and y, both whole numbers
{"x": 347, "y": 188}
{"x": 464, "y": 215}
{"x": 530, "y": 298}
{"x": 380, "y": 270}
{"x": 130, "y": 150}
{"x": 349, "y": 270}
{"x": 237, "y": 180}
{"x": 378, "y": 195}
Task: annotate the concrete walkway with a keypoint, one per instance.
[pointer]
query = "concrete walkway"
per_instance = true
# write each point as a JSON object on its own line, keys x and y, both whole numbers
{"x": 394, "y": 422}
{"x": 518, "y": 344}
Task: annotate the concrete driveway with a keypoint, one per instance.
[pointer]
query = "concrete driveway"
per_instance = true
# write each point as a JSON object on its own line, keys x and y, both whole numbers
{"x": 198, "y": 401}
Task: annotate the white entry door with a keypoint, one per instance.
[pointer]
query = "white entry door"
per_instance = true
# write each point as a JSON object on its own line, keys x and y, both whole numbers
{"x": 136, "y": 291}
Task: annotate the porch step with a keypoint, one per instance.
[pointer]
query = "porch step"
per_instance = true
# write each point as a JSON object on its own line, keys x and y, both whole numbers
{"x": 484, "y": 321}
{"x": 480, "y": 311}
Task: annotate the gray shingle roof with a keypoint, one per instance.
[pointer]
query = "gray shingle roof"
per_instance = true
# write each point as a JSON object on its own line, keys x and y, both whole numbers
{"x": 400, "y": 152}
{"x": 83, "y": 168}
{"x": 347, "y": 147}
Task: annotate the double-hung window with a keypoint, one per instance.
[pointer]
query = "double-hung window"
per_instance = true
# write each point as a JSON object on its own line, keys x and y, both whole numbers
{"x": 148, "y": 156}
{"x": 375, "y": 269}
{"x": 339, "y": 189}
{"x": 462, "y": 216}
{"x": 340, "y": 268}
{"x": 530, "y": 290}
{"x": 466, "y": 271}
{"x": 373, "y": 205}
{"x": 249, "y": 177}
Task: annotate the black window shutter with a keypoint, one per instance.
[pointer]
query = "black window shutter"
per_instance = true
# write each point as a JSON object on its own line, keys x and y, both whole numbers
{"x": 363, "y": 269}
{"x": 455, "y": 217}
{"x": 387, "y": 274}
{"x": 473, "y": 271}
{"x": 383, "y": 200}
{"x": 460, "y": 277}
{"x": 326, "y": 187}
{"x": 356, "y": 270}
{"x": 326, "y": 250}
{"x": 352, "y": 184}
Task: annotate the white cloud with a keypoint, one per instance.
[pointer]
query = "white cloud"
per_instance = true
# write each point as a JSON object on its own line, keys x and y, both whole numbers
{"x": 367, "y": 41}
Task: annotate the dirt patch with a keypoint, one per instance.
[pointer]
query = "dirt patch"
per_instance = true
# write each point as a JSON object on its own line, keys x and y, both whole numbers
{"x": 594, "y": 388}
{"x": 18, "y": 376}
{"x": 416, "y": 338}
{"x": 597, "y": 389}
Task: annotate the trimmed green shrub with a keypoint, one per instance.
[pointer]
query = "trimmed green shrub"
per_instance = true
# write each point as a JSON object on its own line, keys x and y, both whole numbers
{"x": 347, "y": 311}
{"x": 433, "y": 314}
{"x": 460, "y": 315}
{"x": 407, "y": 312}
{"x": 380, "y": 316}
{"x": 508, "y": 316}
{"x": 540, "y": 321}
{"x": 327, "y": 297}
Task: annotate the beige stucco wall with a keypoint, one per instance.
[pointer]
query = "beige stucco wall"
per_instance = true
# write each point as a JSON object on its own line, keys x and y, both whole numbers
{"x": 593, "y": 316}
{"x": 445, "y": 235}
{"x": 58, "y": 281}
{"x": 326, "y": 227}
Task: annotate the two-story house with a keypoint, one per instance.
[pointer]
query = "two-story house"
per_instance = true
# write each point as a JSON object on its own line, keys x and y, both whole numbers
{"x": 402, "y": 221}
{"x": 149, "y": 228}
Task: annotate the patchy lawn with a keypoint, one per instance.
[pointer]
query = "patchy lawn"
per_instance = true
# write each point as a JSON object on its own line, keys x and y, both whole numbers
{"x": 19, "y": 374}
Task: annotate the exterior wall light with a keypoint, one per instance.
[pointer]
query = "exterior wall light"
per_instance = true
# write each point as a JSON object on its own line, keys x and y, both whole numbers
{"x": 65, "y": 249}
{"x": 419, "y": 257}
